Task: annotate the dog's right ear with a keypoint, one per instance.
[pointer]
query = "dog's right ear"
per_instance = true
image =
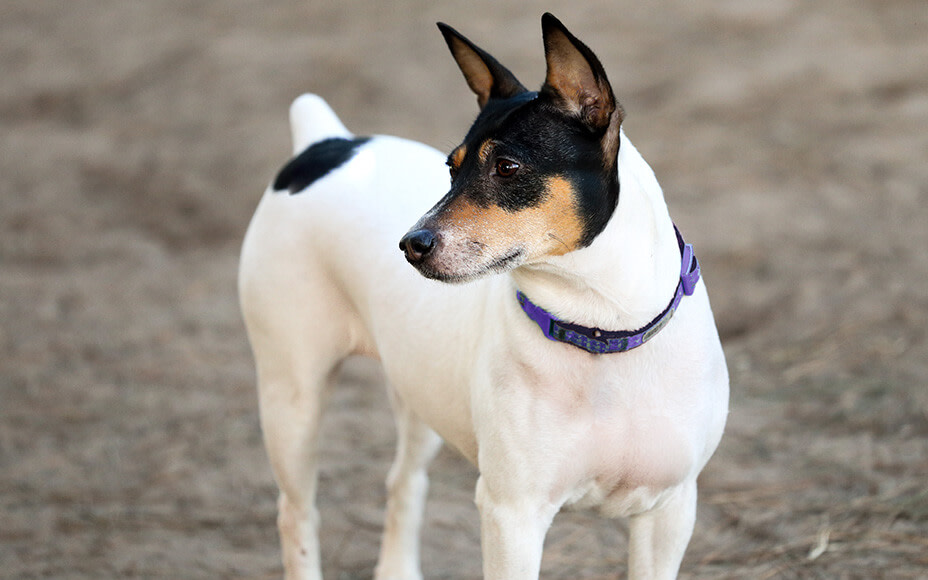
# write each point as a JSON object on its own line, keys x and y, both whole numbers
{"x": 576, "y": 79}
{"x": 483, "y": 73}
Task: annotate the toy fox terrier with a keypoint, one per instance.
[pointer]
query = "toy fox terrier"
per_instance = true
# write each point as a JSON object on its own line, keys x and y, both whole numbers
{"x": 568, "y": 348}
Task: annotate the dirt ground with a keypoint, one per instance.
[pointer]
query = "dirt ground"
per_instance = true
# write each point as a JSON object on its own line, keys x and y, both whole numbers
{"x": 791, "y": 139}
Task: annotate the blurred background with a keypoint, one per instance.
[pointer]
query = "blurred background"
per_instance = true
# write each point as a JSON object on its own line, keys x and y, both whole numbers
{"x": 790, "y": 137}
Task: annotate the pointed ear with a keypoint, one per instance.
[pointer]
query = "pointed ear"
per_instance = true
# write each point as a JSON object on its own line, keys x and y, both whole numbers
{"x": 483, "y": 73}
{"x": 576, "y": 79}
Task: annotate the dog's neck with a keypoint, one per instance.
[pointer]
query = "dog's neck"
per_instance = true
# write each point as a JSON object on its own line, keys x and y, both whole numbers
{"x": 630, "y": 271}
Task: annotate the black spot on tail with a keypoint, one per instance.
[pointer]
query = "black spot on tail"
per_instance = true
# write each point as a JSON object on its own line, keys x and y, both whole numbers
{"x": 315, "y": 162}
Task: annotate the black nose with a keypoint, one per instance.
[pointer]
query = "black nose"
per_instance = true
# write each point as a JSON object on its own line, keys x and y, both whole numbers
{"x": 417, "y": 245}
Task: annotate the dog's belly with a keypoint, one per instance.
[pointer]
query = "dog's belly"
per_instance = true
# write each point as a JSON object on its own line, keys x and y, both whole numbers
{"x": 433, "y": 368}
{"x": 613, "y": 503}
{"x": 438, "y": 396}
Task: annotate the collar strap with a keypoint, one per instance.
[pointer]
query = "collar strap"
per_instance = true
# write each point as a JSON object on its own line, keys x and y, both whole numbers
{"x": 597, "y": 341}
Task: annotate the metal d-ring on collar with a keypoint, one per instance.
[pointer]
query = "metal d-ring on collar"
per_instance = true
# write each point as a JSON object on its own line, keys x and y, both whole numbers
{"x": 598, "y": 341}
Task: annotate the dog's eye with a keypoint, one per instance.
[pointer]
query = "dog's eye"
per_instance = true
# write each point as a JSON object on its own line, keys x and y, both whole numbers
{"x": 453, "y": 171}
{"x": 506, "y": 167}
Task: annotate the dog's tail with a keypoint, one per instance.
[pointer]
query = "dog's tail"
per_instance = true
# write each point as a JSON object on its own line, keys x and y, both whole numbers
{"x": 312, "y": 120}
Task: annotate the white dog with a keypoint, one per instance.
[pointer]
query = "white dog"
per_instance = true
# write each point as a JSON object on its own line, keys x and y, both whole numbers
{"x": 578, "y": 366}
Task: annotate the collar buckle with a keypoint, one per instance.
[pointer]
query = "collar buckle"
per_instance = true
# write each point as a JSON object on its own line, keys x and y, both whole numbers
{"x": 689, "y": 272}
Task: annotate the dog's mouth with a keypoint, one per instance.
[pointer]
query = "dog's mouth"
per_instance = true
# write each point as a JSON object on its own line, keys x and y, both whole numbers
{"x": 507, "y": 262}
{"x": 497, "y": 266}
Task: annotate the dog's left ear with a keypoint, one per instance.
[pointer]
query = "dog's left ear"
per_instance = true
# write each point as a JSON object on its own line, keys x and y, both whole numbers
{"x": 576, "y": 79}
{"x": 483, "y": 73}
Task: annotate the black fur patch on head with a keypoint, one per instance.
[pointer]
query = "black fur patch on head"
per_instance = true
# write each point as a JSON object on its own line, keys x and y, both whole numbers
{"x": 315, "y": 162}
{"x": 533, "y": 131}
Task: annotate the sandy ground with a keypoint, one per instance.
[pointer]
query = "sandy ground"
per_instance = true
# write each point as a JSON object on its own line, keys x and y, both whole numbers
{"x": 791, "y": 138}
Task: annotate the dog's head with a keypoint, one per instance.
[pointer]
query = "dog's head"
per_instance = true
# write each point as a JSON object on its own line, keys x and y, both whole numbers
{"x": 536, "y": 173}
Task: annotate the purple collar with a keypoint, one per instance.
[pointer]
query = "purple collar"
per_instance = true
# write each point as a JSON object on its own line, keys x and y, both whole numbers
{"x": 598, "y": 341}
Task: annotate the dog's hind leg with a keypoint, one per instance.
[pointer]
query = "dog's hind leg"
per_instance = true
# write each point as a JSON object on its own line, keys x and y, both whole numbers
{"x": 300, "y": 331}
{"x": 291, "y": 398}
{"x": 291, "y": 410}
{"x": 407, "y": 485}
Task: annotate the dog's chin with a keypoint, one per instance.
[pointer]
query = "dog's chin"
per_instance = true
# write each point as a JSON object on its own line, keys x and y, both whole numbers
{"x": 434, "y": 271}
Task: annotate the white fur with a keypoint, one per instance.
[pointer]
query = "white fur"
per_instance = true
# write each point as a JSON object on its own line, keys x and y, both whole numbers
{"x": 547, "y": 424}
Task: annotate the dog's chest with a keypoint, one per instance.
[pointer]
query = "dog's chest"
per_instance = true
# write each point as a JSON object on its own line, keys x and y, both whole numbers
{"x": 614, "y": 437}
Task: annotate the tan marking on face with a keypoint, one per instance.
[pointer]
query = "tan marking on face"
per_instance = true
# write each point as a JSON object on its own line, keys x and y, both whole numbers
{"x": 552, "y": 228}
{"x": 484, "y": 152}
{"x": 457, "y": 157}
{"x": 562, "y": 211}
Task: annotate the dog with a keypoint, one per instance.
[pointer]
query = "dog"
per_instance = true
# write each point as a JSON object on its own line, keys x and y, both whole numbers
{"x": 554, "y": 327}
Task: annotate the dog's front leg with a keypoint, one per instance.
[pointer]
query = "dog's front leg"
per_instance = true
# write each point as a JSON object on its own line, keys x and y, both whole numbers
{"x": 658, "y": 539}
{"x": 522, "y": 438}
{"x": 512, "y": 532}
